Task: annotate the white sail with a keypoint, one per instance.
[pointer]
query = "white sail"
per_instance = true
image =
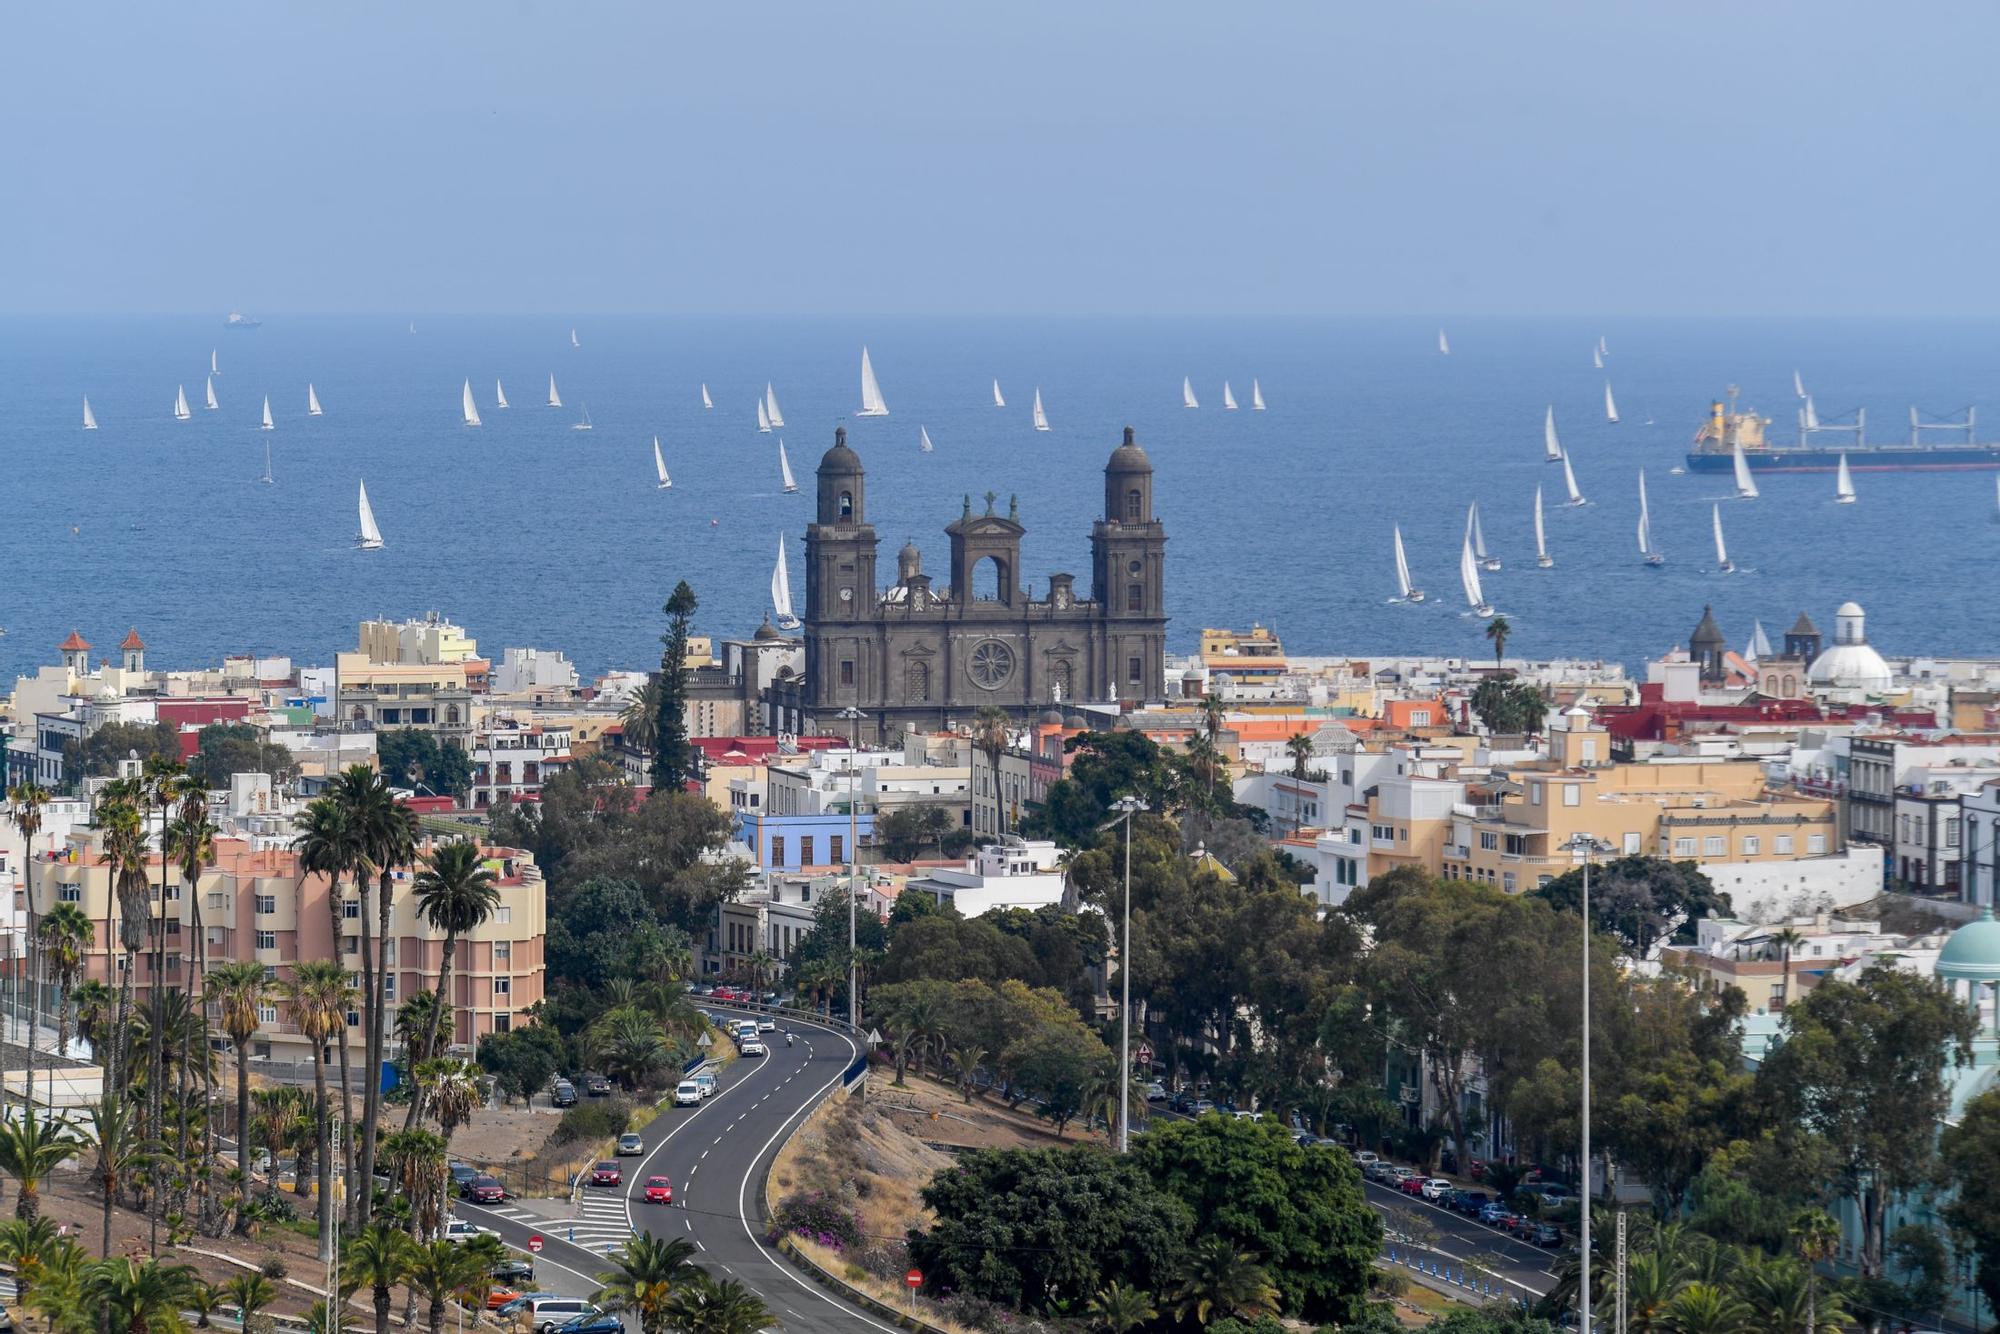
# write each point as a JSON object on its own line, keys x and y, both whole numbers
{"x": 1478, "y": 536}
{"x": 572, "y": 339}
{"x": 470, "y": 408}
{"x": 660, "y": 465}
{"x": 1843, "y": 483}
{"x": 871, "y": 392}
{"x": 1228, "y": 399}
{"x": 89, "y": 418}
{"x": 1798, "y": 385}
{"x": 1402, "y": 567}
{"x": 499, "y": 394}
{"x": 1645, "y": 525}
{"x": 923, "y": 440}
{"x": 1541, "y": 537}
{"x": 1256, "y": 396}
{"x": 212, "y": 404}
{"x": 582, "y": 423}
{"x": 998, "y": 401}
{"x": 181, "y": 412}
{"x": 1468, "y": 573}
{"x": 1812, "y": 415}
{"x": 214, "y": 367}
{"x": 1610, "y": 405}
{"x": 370, "y": 537}
{"x": 706, "y": 401}
{"x": 1444, "y": 344}
{"x": 785, "y": 467}
{"x": 1721, "y": 547}
{"x": 1759, "y": 646}
{"x": 1746, "y": 485}
{"x": 312, "y": 401}
{"x": 555, "y": 399}
{"x": 1187, "y": 393}
{"x": 267, "y": 412}
{"x": 763, "y": 418}
{"x": 1603, "y": 349}
{"x": 1596, "y": 358}
{"x": 781, "y": 592}
{"x": 771, "y": 405}
{"x": 267, "y": 479}
{"x": 1569, "y": 481}
{"x": 1041, "y": 418}
{"x": 1552, "y": 450}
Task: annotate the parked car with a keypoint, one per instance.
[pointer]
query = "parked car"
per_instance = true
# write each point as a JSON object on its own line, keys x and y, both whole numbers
{"x": 1554, "y": 1195}
{"x": 522, "y": 1302}
{"x": 704, "y": 990}
{"x": 458, "y": 1230}
{"x": 630, "y": 1144}
{"x": 1470, "y": 1201}
{"x": 597, "y": 1322}
{"x": 1436, "y": 1188}
{"x": 1366, "y": 1159}
{"x": 1184, "y": 1102}
{"x": 1495, "y": 1214}
{"x": 1398, "y": 1175}
{"x": 547, "y": 1314}
{"x": 461, "y": 1176}
{"x": 1303, "y": 1138}
{"x": 515, "y": 1272}
{"x": 497, "y": 1296}
{"x": 707, "y": 1081}
{"x": 659, "y": 1190}
{"x": 1202, "y": 1107}
{"x": 607, "y": 1174}
{"x": 597, "y": 1086}
{"x": 687, "y": 1093}
{"x": 1413, "y": 1184}
{"x": 1155, "y": 1091}
{"x": 1379, "y": 1171}
{"x": 1547, "y": 1235}
{"x": 563, "y": 1094}
{"x": 485, "y": 1190}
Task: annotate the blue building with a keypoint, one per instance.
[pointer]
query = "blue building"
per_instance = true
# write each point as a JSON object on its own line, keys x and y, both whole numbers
{"x": 792, "y": 842}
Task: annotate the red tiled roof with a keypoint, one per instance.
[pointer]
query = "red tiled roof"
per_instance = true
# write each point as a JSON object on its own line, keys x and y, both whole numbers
{"x": 132, "y": 639}
{"x": 73, "y": 644}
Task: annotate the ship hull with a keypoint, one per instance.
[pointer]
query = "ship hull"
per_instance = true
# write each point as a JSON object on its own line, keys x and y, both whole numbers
{"x": 1874, "y": 458}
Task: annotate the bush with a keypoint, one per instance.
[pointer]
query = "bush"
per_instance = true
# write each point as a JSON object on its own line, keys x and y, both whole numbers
{"x": 591, "y": 1120}
{"x": 821, "y": 1217}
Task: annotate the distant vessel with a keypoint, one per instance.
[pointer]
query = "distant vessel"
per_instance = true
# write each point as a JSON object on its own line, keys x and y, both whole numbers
{"x": 1405, "y": 592}
{"x": 660, "y": 466}
{"x": 470, "y": 409}
{"x": 1569, "y": 483}
{"x": 1486, "y": 561}
{"x": 1187, "y": 393}
{"x": 1041, "y": 418}
{"x": 785, "y": 468}
{"x": 1596, "y": 358}
{"x": 267, "y": 412}
{"x": 499, "y": 395}
{"x": 267, "y": 479}
{"x": 370, "y": 536}
{"x": 213, "y": 368}
{"x": 1811, "y": 418}
{"x": 1602, "y": 349}
{"x": 1468, "y": 571}
{"x": 1552, "y": 450}
{"x": 1444, "y": 344}
{"x": 89, "y": 419}
{"x": 923, "y": 440}
{"x": 583, "y": 423}
{"x": 572, "y": 339}
{"x": 1728, "y": 429}
{"x": 212, "y": 404}
{"x": 706, "y": 401}
{"x": 181, "y": 412}
{"x": 871, "y": 393}
{"x": 238, "y": 320}
{"x": 1610, "y": 405}
{"x": 998, "y": 401}
{"x": 555, "y": 399}
{"x": 1759, "y": 647}
{"x": 1228, "y": 399}
{"x": 1542, "y": 556}
{"x": 1256, "y": 396}
{"x": 1652, "y": 557}
{"x": 781, "y": 592}
{"x": 1722, "y": 562}
{"x": 312, "y": 401}
{"x": 771, "y": 404}
{"x": 763, "y": 418}
{"x": 1798, "y": 385}
{"x": 1746, "y": 485}
{"x": 1843, "y": 484}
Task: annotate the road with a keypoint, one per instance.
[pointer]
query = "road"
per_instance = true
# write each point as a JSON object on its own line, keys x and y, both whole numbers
{"x": 1529, "y": 1269}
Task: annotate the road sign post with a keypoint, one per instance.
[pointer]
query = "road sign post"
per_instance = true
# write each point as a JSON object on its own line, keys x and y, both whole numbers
{"x": 535, "y": 1243}
{"x": 913, "y": 1280}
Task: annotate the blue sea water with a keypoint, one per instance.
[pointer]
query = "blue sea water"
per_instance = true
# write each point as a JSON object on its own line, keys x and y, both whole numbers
{"x": 527, "y": 532}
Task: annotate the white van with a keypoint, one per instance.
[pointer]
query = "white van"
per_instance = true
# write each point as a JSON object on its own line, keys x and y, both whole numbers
{"x": 545, "y": 1314}
{"x": 687, "y": 1094}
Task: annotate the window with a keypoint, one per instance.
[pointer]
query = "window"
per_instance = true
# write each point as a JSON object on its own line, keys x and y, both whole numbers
{"x": 917, "y": 682}
{"x": 267, "y": 1014}
{"x": 1134, "y": 505}
{"x": 267, "y": 940}
{"x": 1683, "y": 847}
{"x": 1507, "y": 881}
{"x": 271, "y": 974}
{"x": 1516, "y": 845}
{"x": 1572, "y": 794}
{"x": 389, "y": 986}
{"x": 1752, "y": 845}
{"x": 350, "y": 944}
{"x": 834, "y": 847}
{"x": 1782, "y": 845}
{"x": 777, "y": 852}
{"x": 1951, "y": 833}
{"x": 1815, "y": 844}
{"x": 1489, "y": 841}
{"x": 350, "y": 909}
{"x": 1135, "y": 670}
{"x": 1534, "y": 794}
{"x": 503, "y": 986}
{"x": 354, "y": 1018}
{"x": 846, "y": 504}
{"x": 70, "y": 893}
{"x": 503, "y": 916}
{"x": 1382, "y": 832}
{"x": 503, "y": 1022}
{"x": 1633, "y": 844}
{"x": 847, "y": 671}
{"x": 267, "y": 904}
{"x": 1135, "y": 597}
{"x": 805, "y": 852}
{"x": 1420, "y": 717}
{"x": 1714, "y": 845}
{"x": 503, "y": 952}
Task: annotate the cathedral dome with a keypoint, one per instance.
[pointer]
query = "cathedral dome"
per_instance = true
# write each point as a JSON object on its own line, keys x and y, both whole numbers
{"x": 1972, "y": 953}
{"x": 1851, "y": 663}
{"x": 1128, "y": 457}
{"x": 840, "y": 458}
{"x": 767, "y": 632}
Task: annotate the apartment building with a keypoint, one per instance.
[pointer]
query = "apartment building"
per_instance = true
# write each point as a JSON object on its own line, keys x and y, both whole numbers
{"x": 429, "y": 696}
{"x": 513, "y": 759}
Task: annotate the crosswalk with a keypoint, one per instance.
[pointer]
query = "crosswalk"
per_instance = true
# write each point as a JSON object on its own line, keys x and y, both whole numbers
{"x": 603, "y": 1222}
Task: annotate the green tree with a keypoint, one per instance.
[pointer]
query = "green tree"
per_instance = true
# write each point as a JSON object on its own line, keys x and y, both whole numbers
{"x": 456, "y": 893}
{"x": 1118, "y": 1309}
{"x": 673, "y": 757}
{"x": 1643, "y": 901}
{"x": 25, "y": 1245}
{"x": 249, "y": 1294}
{"x": 238, "y": 989}
{"x": 223, "y": 749}
{"x": 1498, "y": 631}
{"x": 411, "y": 758}
{"x": 704, "y": 1306}
{"x": 99, "y": 754}
{"x": 64, "y": 934}
{"x": 646, "y": 1271}
{"x": 1508, "y": 706}
{"x": 378, "y": 1257}
{"x": 1217, "y": 1279}
{"x": 317, "y": 994}
{"x": 1706, "y": 1308}
{"x": 139, "y": 1296}
{"x": 30, "y": 1149}
{"x": 440, "y": 1268}
{"x": 523, "y": 1060}
{"x": 1971, "y": 1148}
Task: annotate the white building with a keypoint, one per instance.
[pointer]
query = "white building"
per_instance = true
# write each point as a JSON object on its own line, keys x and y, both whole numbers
{"x": 1013, "y": 873}
{"x": 513, "y": 760}
{"x": 532, "y": 671}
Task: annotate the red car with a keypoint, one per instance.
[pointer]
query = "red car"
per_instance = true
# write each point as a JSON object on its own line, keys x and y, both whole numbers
{"x": 606, "y": 1174}
{"x": 1411, "y": 1185}
{"x": 485, "y": 1190}
{"x": 728, "y": 994}
{"x": 659, "y": 1190}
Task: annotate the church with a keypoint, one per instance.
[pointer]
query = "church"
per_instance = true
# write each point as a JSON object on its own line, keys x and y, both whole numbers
{"x": 919, "y": 656}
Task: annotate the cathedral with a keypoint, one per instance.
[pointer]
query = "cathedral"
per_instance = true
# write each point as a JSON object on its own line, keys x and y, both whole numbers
{"x": 918, "y": 656}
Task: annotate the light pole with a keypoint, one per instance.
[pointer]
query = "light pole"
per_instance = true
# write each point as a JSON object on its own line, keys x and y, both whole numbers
{"x": 1588, "y": 847}
{"x": 852, "y": 717}
{"x": 1126, "y": 807}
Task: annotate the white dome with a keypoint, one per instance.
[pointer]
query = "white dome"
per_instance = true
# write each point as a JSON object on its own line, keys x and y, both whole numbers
{"x": 1854, "y": 666}
{"x": 1849, "y": 609}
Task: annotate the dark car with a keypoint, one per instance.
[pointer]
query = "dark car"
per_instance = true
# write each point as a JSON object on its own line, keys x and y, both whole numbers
{"x": 461, "y": 1177}
{"x": 1547, "y": 1235}
{"x": 563, "y": 1094}
{"x": 606, "y": 1174}
{"x": 1184, "y": 1101}
{"x": 484, "y": 1190}
{"x": 604, "y": 1322}
{"x": 515, "y": 1272}
{"x": 597, "y": 1086}
{"x": 1470, "y": 1201}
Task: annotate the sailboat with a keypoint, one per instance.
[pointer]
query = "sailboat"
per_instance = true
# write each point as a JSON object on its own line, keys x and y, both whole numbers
{"x": 572, "y": 339}
{"x": 998, "y": 401}
{"x": 1228, "y": 399}
{"x": 1256, "y": 396}
{"x": 1603, "y": 350}
{"x": 781, "y": 592}
{"x": 1811, "y": 415}
{"x": 312, "y": 401}
{"x": 871, "y": 393}
{"x": 1843, "y": 484}
{"x": 785, "y": 468}
{"x": 1444, "y": 344}
{"x": 1798, "y": 385}
{"x": 370, "y": 537}
{"x": 1569, "y": 483}
{"x": 1759, "y": 646}
{"x": 212, "y": 404}
{"x": 1404, "y": 591}
{"x": 584, "y": 423}
{"x": 1041, "y": 418}
{"x": 555, "y": 399}
{"x": 181, "y": 412}
{"x": 1187, "y": 393}
{"x": 1542, "y": 556}
{"x": 1552, "y": 450}
{"x": 267, "y": 479}
{"x": 1746, "y": 485}
{"x": 89, "y": 419}
{"x": 267, "y": 412}
{"x": 214, "y": 368}
{"x": 1486, "y": 561}
{"x": 763, "y": 418}
{"x": 660, "y": 466}
{"x": 1653, "y": 557}
{"x": 499, "y": 394}
{"x": 1723, "y": 564}
{"x": 771, "y": 404}
{"x": 923, "y": 440}
{"x": 1610, "y": 405}
{"x": 1468, "y": 571}
{"x": 706, "y": 401}
{"x": 470, "y": 408}
{"x": 1596, "y": 358}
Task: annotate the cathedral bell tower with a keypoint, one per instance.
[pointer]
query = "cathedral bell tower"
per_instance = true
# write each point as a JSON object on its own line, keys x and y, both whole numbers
{"x": 840, "y": 583}
{"x": 1128, "y": 552}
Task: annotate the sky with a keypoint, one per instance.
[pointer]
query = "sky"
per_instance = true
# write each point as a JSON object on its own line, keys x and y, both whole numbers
{"x": 1035, "y": 157}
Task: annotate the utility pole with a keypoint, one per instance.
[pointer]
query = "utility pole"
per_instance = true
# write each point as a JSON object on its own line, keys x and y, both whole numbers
{"x": 1126, "y": 807}
{"x": 1589, "y": 847}
{"x": 852, "y": 717}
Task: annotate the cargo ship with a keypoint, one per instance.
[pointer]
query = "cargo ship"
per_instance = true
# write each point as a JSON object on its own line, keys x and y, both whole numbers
{"x": 1727, "y": 429}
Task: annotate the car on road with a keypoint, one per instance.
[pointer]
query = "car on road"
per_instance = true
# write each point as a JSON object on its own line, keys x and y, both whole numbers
{"x": 687, "y": 1093}
{"x": 461, "y": 1177}
{"x": 1547, "y": 1235}
{"x": 607, "y": 1174}
{"x": 1495, "y": 1214}
{"x": 514, "y": 1272}
{"x": 707, "y": 1081}
{"x": 458, "y": 1230}
{"x": 1413, "y": 1184}
{"x": 1436, "y": 1188}
{"x": 1155, "y": 1091}
{"x": 630, "y": 1144}
{"x": 1469, "y": 1201}
{"x": 1202, "y": 1107}
{"x": 752, "y": 1047}
{"x": 1364, "y": 1159}
{"x": 597, "y": 1086}
{"x": 598, "y": 1322}
{"x": 547, "y": 1314}
{"x": 728, "y": 994}
{"x": 767, "y": 1025}
{"x": 659, "y": 1190}
{"x": 484, "y": 1189}
{"x": 563, "y": 1094}
{"x": 522, "y": 1302}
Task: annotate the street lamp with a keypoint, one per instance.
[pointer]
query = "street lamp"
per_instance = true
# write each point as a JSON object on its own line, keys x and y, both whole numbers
{"x": 852, "y": 717}
{"x": 1586, "y": 846}
{"x": 1126, "y": 807}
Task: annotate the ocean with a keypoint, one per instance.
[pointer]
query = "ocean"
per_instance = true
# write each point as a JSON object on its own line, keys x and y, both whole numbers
{"x": 529, "y": 533}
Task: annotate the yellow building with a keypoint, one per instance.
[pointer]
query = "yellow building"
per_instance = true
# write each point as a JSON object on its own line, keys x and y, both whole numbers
{"x": 1255, "y": 655}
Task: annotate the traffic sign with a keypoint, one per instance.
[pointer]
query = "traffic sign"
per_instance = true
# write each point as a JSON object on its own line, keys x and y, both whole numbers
{"x": 915, "y": 1278}
{"x": 1144, "y": 1054}
{"x": 704, "y": 1041}
{"x": 535, "y": 1243}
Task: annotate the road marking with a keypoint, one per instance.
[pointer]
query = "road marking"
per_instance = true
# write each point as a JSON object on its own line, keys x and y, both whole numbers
{"x": 704, "y": 1152}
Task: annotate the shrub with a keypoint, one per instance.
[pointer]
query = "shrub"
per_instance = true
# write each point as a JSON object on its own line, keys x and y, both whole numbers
{"x": 594, "y": 1119}
{"x": 821, "y": 1217}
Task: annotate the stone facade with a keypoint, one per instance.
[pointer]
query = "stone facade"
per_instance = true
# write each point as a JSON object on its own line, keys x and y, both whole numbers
{"x": 915, "y": 656}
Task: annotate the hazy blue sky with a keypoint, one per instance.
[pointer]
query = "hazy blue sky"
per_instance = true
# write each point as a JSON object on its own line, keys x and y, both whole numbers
{"x": 1014, "y": 157}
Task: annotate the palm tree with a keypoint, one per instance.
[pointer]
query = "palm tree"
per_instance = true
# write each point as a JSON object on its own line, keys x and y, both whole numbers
{"x": 456, "y": 893}
{"x": 30, "y": 1149}
{"x": 249, "y": 1294}
{"x": 239, "y": 990}
{"x": 190, "y": 841}
{"x": 378, "y": 1257}
{"x": 1786, "y": 939}
{"x": 967, "y": 1059}
{"x": 1498, "y": 630}
{"x": 204, "y": 1299}
{"x": 325, "y": 846}
{"x": 638, "y": 720}
{"x": 1118, "y": 1309}
{"x": 125, "y": 855}
{"x": 1221, "y": 1280}
{"x": 704, "y": 1306}
{"x": 318, "y": 995}
{"x": 24, "y": 806}
{"x": 94, "y": 1002}
{"x": 140, "y": 1296}
{"x": 648, "y": 1270}
{"x": 58, "y": 1287}
{"x": 1299, "y": 747}
{"x": 419, "y": 1167}
{"x": 454, "y": 1089}
{"x": 64, "y": 934}
{"x": 24, "y": 1244}
{"x": 1814, "y": 1234}
{"x": 989, "y": 738}
{"x": 440, "y": 1268}
{"x": 629, "y": 1044}
{"x": 1704, "y": 1308}
{"x": 114, "y": 1129}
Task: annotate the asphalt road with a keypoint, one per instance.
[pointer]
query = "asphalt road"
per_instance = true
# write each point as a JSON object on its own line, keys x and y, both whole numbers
{"x": 1530, "y": 1269}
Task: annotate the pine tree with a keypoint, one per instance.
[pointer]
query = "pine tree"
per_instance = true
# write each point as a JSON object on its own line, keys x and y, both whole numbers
{"x": 673, "y": 757}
